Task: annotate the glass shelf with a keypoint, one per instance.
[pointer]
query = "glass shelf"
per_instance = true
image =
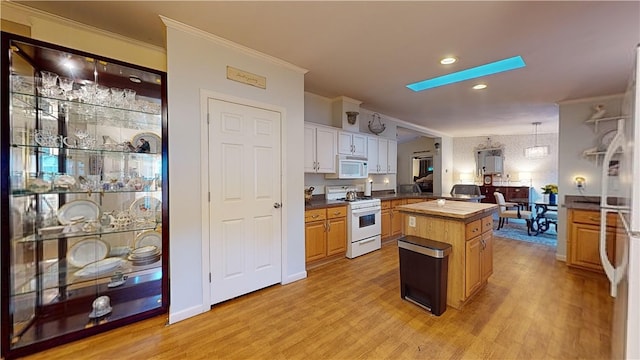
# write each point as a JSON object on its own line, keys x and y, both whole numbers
{"x": 55, "y": 270}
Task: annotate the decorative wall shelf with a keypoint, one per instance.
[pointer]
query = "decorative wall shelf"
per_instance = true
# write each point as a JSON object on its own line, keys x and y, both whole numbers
{"x": 596, "y": 121}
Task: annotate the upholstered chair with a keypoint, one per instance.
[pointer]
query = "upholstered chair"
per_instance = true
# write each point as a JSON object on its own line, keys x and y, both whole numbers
{"x": 511, "y": 211}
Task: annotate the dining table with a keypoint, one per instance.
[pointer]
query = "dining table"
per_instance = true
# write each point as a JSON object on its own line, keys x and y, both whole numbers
{"x": 546, "y": 214}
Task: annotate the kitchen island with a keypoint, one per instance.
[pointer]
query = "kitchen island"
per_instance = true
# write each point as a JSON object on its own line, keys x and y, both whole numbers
{"x": 468, "y": 227}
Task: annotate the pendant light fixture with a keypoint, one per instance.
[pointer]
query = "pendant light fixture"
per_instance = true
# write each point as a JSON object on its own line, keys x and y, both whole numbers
{"x": 536, "y": 151}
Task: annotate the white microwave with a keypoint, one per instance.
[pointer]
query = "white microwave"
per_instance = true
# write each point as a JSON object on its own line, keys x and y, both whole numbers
{"x": 350, "y": 168}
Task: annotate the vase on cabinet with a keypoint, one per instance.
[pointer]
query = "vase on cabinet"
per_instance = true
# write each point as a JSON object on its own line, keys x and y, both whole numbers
{"x": 552, "y": 199}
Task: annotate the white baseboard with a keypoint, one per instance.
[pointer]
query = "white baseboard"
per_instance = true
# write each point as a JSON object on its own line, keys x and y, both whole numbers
{"x": 294, "y": 277}
{"x": 561, "y": 257}
{"x": 184, "y": 314}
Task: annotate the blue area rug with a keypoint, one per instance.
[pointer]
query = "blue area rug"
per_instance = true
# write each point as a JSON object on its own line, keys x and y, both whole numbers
{"x": 516, "y": 229}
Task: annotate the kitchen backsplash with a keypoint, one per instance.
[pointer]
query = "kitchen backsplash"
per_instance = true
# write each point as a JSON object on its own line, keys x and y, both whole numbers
{"x": 380, "y": 182}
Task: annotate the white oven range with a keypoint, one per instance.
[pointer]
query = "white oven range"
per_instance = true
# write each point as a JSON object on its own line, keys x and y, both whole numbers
{"x": 364, "y": 219}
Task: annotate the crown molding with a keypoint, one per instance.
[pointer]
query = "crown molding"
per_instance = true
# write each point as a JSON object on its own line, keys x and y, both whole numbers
{"x": 170, "y": 23}
{"x": 22, "y": 14}
{"x": 590, "y": 99}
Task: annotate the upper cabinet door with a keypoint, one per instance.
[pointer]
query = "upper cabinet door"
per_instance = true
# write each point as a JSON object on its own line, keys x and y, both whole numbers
{"x": 359, "y": 145}
{"x": 372, "y": 155}
{"x": 326, "y": 144}
{"x": 383, "y": 148}
{"x": 392, "y": 157}
{"x": 352, "y": 144}
{"x": 345, "y": 147}
{"x": 309, "y": 148}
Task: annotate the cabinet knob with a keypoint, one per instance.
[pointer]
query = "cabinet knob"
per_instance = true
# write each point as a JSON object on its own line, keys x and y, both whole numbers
{"x": 277, "y": 205}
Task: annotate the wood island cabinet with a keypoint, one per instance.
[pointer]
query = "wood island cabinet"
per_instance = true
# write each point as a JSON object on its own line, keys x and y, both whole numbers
{"x": 583, "y": 247}
{"x": 325, "y": 233}
{"x": 396, "y": 217}
{"x": 468, "y": 227}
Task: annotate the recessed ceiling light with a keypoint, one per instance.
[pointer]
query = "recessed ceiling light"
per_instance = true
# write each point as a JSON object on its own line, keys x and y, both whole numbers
{"x": 479, "y": 86}
{"x": 448, "y": 60}
{"x": 512, "y": 63}
{"x": 134, "y": 79}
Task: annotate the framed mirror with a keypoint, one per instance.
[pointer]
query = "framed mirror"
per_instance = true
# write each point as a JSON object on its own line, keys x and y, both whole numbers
{"x": 489, "y": 158}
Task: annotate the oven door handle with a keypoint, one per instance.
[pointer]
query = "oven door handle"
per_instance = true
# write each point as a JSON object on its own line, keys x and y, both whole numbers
{"x": 366, "y": 241}
{"x": 364, "y": 211}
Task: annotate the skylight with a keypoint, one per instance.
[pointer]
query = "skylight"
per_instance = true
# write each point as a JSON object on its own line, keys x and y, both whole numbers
{"x": 511, "y": 63}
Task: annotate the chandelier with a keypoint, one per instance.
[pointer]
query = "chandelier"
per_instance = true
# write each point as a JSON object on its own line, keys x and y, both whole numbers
{"x": 536, "y": 151}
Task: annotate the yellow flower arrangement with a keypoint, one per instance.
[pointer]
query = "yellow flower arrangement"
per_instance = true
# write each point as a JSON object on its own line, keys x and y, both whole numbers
{"x": 550, "y": 189}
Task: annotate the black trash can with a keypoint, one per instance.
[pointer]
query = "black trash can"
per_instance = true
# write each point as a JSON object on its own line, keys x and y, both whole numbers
{"x": 424, "y": 267}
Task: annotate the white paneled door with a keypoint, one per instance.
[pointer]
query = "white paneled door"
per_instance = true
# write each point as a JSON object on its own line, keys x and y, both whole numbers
{"x": 245, "y": 185}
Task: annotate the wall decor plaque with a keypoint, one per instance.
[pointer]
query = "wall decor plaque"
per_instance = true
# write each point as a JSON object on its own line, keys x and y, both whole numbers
{"x": 246, "y": 77}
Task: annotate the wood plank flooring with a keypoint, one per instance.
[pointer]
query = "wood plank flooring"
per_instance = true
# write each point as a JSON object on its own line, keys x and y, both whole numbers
{"x": 534, "y": 307}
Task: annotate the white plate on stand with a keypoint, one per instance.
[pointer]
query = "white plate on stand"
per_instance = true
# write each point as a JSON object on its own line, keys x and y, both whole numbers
{"x": 99, "y": 267}
{"x": 82, "y": 207}
{"x": 149, "y": 238}
{"x": 87, "y": 251}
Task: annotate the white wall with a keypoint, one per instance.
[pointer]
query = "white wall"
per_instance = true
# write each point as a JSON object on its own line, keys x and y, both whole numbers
{"x": 197, "y": 61}
{"x": 575, "y": 137}
{"x": 543, "y": 171}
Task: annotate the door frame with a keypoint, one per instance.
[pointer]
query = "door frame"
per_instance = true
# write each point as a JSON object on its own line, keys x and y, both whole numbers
{"x": 205, "y": 95}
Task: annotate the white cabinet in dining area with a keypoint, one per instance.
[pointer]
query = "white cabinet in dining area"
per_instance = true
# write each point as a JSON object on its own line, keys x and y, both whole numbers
{"x": 352, "y": 144}
{"x": 320, "y": 144}
{"x": 382, "y": 155}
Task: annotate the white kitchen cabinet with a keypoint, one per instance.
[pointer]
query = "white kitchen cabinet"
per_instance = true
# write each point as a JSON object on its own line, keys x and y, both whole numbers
{"x": 352, "y": 144}
{"x": 320, "y": 146}
{"x": 377, "y": 153}
{"x": 392, "y": 157}
{"x": 372, "y": 154}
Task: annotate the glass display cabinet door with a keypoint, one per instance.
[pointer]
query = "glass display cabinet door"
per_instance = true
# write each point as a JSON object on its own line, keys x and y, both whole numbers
{"x": 84, "y": 138}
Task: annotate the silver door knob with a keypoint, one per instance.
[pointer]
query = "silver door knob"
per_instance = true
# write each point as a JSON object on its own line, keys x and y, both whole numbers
{"x": 277, "y": 205}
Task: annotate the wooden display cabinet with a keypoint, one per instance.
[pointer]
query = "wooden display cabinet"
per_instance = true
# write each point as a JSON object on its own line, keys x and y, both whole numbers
{"x": 84, "y": 153}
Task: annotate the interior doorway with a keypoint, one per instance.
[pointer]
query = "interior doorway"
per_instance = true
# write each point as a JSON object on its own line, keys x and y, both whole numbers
{"x": 245, "y": 215}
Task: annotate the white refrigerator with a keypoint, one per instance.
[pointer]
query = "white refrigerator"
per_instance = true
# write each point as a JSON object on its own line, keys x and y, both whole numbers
{"x": 621, "y": 197}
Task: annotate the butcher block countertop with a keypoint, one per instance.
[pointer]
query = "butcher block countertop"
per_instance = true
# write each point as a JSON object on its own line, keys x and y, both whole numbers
{"x": 452, "y": 209}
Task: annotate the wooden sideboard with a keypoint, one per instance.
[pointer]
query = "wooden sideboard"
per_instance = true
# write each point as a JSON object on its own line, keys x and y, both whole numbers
{"x": 511, "y": 193}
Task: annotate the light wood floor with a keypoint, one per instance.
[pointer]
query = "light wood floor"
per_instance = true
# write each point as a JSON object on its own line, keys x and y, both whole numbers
{"x": 532, "y": 308}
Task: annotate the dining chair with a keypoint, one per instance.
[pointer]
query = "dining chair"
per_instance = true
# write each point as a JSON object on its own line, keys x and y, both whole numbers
{"x": 511, "y": 211}
{"x": 466, "y": 189}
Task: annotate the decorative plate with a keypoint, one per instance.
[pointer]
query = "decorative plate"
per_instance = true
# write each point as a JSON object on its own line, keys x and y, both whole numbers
{"x": 155, "y": 142}
{"x": 145, "y": 207}
{"x": 606, "y": 139}
{"x": 149, "y": 238}
{"x": 144, "y": 251}
{"x": 87, "y": 251}
{"x": 99, "y": 267}
{"x": 87, "y": 208}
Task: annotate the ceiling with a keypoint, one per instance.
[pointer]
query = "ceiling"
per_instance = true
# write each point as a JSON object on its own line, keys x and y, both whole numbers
{"x": 370, "y": 51}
